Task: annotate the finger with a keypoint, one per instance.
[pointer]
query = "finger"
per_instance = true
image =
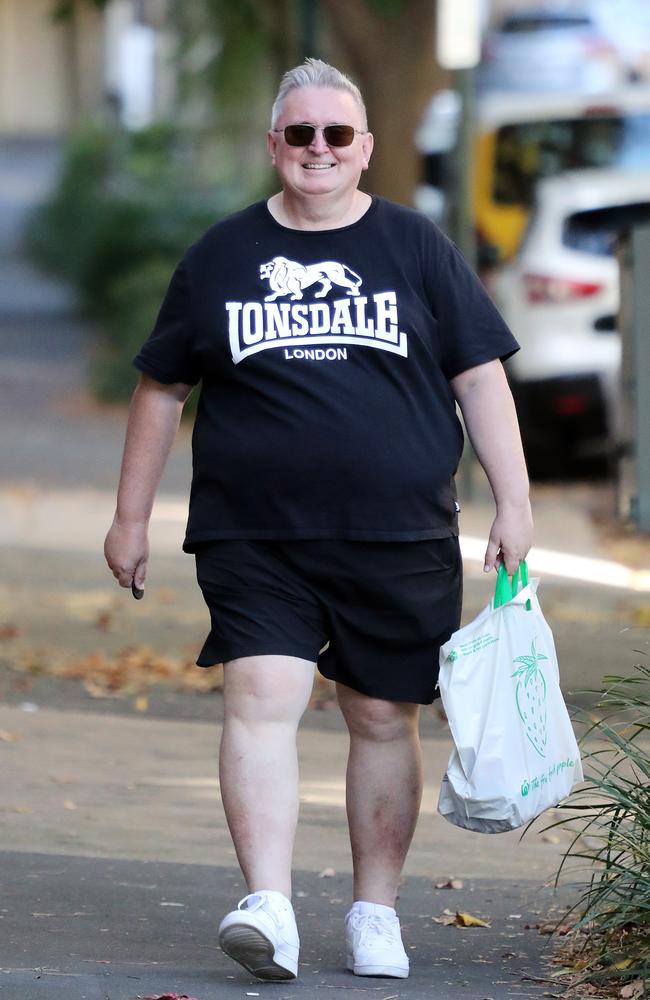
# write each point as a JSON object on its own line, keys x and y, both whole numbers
{"x": 140, "y": 574}
{"x": 491, "y": 560}
{"x": 123, "y": 575}
{"x": 511, "y": 558}
{"x": 512, "y": 564}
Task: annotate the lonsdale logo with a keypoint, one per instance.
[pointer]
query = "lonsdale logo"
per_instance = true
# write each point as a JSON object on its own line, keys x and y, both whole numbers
{"x": 303, "y": 329}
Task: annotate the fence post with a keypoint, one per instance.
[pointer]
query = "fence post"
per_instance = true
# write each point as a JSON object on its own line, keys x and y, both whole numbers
{"x": 634, "y": 325}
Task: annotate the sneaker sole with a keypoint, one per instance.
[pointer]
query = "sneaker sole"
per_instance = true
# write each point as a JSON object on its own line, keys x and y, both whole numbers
{"x": 255, "y": 952}
{"x": 386, "y": 971}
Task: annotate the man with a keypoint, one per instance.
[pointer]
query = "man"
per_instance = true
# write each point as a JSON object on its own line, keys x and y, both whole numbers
{"x": 333, "y": 333}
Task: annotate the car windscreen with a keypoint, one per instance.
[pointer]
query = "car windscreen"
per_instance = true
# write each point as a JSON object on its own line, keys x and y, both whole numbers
{"x": 545, "y": 22}
{"x": 528, "y": 151}
{"x": 597, "y": 230}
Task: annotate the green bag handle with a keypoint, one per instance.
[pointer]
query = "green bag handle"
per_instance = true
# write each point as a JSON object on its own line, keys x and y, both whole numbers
{"x": 507, "y": 587}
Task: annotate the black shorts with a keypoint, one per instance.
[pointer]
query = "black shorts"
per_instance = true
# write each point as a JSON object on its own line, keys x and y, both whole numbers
{"x": 372, "y": 615}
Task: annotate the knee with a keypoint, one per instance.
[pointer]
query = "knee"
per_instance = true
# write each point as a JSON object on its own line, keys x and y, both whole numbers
{"x": 379, "y": 720}
{"x": 259, "y": 690}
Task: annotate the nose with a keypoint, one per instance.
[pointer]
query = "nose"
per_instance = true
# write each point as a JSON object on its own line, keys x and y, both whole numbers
{"x": 318, "y": 144}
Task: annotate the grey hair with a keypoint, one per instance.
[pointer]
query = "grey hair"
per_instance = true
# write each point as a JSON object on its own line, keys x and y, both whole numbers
{"x": 316, "y": 73}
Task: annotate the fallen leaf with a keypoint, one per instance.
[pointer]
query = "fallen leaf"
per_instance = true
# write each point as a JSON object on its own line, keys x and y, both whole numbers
{"x": 169, "y": 996}
{"x": 103, "y": 621}
{"x": 9, "y": 631}
{"x": 69, "y": 804}
{"x": 560, "y": 929}
{"x": 327, "y": 873}
{"x": 468, "y": 920}
{"x": 550, "y": 838}
{"x": 452, "y": 883}
{"x": 447, "y": 918}
{"x": 633, "y": 990}
{"x": 7, "y": 737}
{"x": 22, "y": 809}
{"x": 141, "y": 703}
{"x": 94, "y": 689}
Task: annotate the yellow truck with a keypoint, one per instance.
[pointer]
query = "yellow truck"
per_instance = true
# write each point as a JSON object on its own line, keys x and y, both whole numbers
{"x": 519, "y": 138}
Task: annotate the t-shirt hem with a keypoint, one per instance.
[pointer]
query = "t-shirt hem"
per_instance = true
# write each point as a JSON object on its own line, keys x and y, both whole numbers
{"x": 195, "y": 540}
{"x": 158, "y": 374}
{"x": 481, "y": 358}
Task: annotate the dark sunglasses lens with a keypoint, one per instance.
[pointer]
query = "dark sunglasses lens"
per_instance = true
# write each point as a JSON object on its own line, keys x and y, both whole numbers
{"x": 338, "y": 135}
{"x": 299, "y": 135}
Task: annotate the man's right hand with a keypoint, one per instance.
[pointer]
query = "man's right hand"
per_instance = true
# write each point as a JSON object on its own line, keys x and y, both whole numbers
{"x": 127, "y": 551}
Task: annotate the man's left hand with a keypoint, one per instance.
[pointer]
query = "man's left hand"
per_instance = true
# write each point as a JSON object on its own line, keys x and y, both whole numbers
{"x": 511, "y": 537}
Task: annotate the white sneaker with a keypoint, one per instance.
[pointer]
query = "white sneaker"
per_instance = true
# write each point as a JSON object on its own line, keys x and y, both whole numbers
{"x": 374, "y": 942}
{"x": 261, "y": 935}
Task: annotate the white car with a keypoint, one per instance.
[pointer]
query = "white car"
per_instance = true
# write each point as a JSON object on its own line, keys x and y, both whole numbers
{"x": 560, "y": 296}
{"x": 550, "y": 48}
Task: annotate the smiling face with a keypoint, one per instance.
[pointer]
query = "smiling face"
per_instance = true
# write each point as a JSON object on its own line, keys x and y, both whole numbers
{"x": 319, "y": 169}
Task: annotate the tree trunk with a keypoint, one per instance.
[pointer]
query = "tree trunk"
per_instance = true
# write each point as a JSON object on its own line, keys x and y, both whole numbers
{"x": 391, "y": 57}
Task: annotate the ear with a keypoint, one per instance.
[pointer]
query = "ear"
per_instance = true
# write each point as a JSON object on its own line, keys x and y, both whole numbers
{"x": 271, "y": 145}
{"x": 367, "y": 146}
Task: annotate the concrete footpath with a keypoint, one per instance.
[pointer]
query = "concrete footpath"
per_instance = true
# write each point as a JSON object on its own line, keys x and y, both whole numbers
{"x": 117, "y": 867}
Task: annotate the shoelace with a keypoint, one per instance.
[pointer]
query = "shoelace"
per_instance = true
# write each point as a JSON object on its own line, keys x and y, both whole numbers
{"x": 373, "y": 929}
{"x": 255, "y": 901}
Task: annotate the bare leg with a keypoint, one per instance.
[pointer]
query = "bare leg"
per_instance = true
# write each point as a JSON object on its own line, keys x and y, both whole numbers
{"x": 264, "y": 699}
{"x": 383, "y": 792}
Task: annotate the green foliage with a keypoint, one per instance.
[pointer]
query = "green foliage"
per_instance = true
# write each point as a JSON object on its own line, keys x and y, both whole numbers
{"x": 126, "y": 207}
{"x": 610, "y": 819}
{"x": 388, "y": 8}
{"x": 133, "y": 303}
{"x": 121, "y": 199}
{"x": 235, "y": 52}
{"x": 64, "y": 10}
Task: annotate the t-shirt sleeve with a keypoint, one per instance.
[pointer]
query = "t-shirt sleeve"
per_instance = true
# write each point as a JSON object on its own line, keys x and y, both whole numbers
{"x": 471, "y": 329}
{"x": 169, "y": 355}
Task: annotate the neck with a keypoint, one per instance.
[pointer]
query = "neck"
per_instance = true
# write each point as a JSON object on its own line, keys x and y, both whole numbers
{"x": 318, "y": 211}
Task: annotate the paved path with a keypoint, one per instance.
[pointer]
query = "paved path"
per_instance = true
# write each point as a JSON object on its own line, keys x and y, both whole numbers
{"x": 118, "y": 866}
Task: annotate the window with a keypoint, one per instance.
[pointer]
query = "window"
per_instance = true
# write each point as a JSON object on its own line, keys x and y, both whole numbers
{"x": 596, "y": 231}
{"x": 528, "y": 151}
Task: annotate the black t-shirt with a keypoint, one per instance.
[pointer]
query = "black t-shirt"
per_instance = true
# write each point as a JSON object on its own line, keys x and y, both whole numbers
{"x": 325, "y": 359}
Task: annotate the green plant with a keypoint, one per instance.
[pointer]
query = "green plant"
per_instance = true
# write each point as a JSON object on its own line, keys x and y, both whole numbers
{"x": 126, "y": 207}
{"x": 610, "y": 817}
{"x": 121, "y": 198}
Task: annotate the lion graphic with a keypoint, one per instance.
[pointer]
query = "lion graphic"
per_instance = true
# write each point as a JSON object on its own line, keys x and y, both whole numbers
{"x": 287, "y": 277}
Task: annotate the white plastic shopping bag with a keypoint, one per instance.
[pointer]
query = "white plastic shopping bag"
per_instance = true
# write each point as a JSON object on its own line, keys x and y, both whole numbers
{"x": 515, "y": 751}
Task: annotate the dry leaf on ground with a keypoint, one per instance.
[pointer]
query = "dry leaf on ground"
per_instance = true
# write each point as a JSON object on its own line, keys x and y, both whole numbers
{"x": 459, "y": 919}
{"x": 104, "y": 621}
{"x": 168, "y": 996}
{"x": 633, "y": 990}
{"x": 452, "y": 883}
{"x": 7, "y": 737}
{"x": 469, "y": 920}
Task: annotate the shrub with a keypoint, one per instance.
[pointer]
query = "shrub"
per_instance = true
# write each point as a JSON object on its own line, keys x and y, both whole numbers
{"x": 125, "y": 208}
{"x": 611, "y": 846}
{"x": 121, "y": 198}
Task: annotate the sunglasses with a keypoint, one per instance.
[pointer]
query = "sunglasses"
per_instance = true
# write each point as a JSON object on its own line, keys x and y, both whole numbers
{"x": 304, "y": 135}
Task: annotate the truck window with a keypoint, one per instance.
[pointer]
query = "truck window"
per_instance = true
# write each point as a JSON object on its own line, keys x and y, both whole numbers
{"x": 525, "y": 152}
